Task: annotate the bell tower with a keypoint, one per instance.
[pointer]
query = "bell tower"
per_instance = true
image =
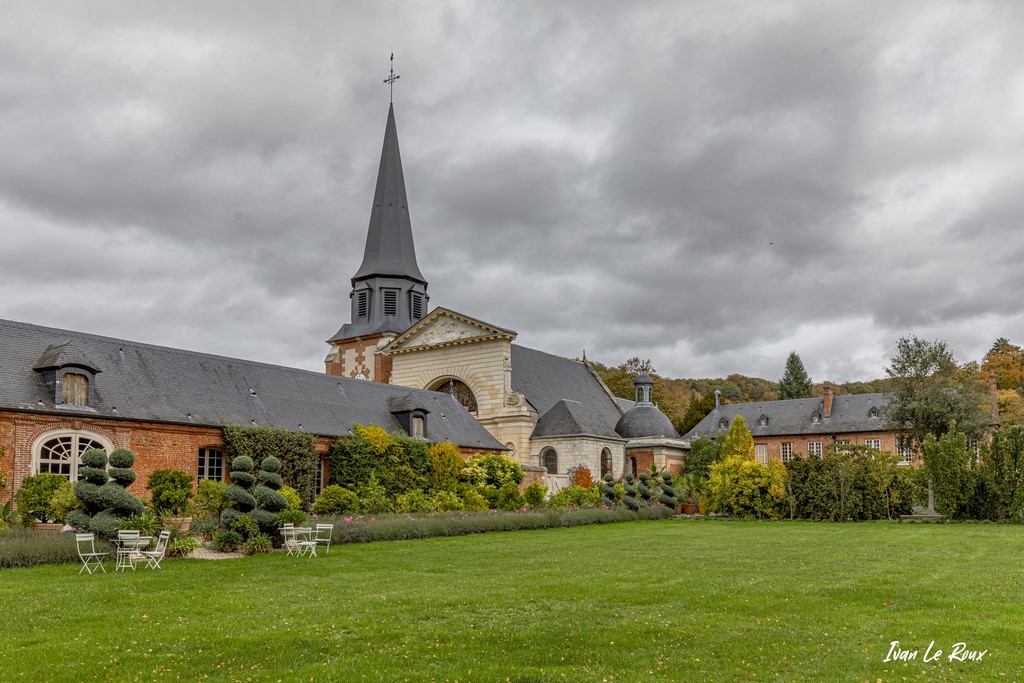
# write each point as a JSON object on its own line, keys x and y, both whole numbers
{"x": 389, "y": 293}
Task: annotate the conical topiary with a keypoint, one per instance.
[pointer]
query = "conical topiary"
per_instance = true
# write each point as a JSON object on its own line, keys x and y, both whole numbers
{"x": 103, "y": 493}
{"x": 608, "y": 491}
{"x": 268, "y": 501}
{"x": 668, "y": 493}
{"x": 238, "y": 493}
{"x": 644, "y": 487}
{"x": 629, "y": 500}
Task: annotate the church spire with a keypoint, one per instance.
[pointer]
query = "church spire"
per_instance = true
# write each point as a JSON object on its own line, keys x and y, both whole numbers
{"x": 389, "y": 248}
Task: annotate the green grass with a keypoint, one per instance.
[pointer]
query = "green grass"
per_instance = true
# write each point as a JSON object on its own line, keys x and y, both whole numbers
{"x": 644, "y": 601}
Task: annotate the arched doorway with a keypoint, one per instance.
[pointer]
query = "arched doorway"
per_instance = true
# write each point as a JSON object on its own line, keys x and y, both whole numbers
{"x": 606, "y": 462}
{"x": 459, "y": 390}
{"x": 631, "y": 465}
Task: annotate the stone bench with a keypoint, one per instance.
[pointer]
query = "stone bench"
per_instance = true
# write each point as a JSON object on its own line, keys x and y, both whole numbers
{"x": 941, "y": 519}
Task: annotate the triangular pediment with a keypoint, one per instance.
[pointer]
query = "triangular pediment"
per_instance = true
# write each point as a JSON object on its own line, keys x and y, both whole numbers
{"x": 442, "y": 327}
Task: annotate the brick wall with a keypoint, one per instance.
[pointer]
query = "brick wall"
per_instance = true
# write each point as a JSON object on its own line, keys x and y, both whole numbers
{"x": 774, "y": 443}
{"x": 359, "y": 356}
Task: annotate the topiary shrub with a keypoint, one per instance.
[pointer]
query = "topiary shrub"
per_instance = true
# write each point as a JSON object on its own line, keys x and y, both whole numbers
{"x": 335, "y": 500}
{"x": 534, "y": 494}
{"x": 643, "y": 487}
{"x": 608, "y": 491}
{"x": 509, "y": 497}
{"x": 668, "y": 493}
{"x": 237, "y": 493}
{"x": 629, "y": 499}
{"x": 105, "y": 501}
{"x": 171, "y": 489}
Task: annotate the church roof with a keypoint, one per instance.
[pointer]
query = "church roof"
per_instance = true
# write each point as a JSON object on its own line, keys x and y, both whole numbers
{"x": 150, "y": 383}
{"x": 572, "y": 418}
{"x": 643, "y": 420}
{"x": 798, "y": 417}
{"x": 389, "y": 247}
{"x": 546, "y": 379}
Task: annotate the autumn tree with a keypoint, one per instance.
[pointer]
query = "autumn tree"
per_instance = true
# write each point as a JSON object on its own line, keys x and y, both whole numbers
{"x": 929, "y": 392}
{"x": 738, "y": 442}
{"x": 619, "y": 380}
{"x": 795, "y": 382}
{"x": 1006, "y": 361}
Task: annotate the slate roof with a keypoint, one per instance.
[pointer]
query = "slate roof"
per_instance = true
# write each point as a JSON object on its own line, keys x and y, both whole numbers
{"x": 645, "y": 419}
{"x": 572, "y": 418}
{"x": 159, "y": 384}
{"x": 796, "y": 417}
{"x": 546, "y": 379}
{"x": 389, "y": 247}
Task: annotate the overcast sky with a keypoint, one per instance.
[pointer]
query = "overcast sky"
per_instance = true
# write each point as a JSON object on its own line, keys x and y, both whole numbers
{"x": 710, "y": 185}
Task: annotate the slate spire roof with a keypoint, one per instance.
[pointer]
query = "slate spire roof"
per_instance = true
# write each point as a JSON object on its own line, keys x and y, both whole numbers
{"x": 389, "y": 247}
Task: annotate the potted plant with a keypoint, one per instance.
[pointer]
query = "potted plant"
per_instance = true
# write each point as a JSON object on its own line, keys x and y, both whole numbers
{"x": 33, "y": 501}
{"x": 207, "y": 529}
{"x": 692, "y": 488}
{"x": 172, "y": 490}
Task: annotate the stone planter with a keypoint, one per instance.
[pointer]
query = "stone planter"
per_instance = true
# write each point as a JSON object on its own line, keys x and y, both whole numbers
{"x": 687, "y": 508}
{"x": 47, "y": 527}
{"x": 176, "y": 523}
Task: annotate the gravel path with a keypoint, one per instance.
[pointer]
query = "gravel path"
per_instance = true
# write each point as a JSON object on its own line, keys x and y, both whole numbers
{"x": 207, "y": 554}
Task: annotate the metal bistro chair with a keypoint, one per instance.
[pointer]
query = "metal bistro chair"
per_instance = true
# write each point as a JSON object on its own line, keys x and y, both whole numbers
{"x": 127, "y": 549}
{"x": 91, "y": 560}
{"x": 324, "y": 532}
{"x": 290, "y": 540}
{"x": 304, "y": 541}
{"x": 153, "y": 557}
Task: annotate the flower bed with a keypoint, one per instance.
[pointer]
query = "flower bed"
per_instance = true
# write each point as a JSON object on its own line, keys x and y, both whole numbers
{"x": 21, "y": 547}
{"x": 367, "y": 528}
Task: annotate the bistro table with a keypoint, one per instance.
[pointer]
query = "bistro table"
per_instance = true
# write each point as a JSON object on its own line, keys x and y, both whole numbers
{"x": 128, "y": 550}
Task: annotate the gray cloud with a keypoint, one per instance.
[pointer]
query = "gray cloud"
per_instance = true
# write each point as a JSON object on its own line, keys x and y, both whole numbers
{"x": 710, "y": 186}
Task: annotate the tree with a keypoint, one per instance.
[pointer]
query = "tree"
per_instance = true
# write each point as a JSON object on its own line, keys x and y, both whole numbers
{"x": 695, "y": 412}
{"x": 929, "y": 392}
{"x": 795, "y": 382}
{"x": 947, "y": 464}
{"x": 738, "y": 442}
{"x": 703, "y": 453}
{"x": 1006, "y": 361}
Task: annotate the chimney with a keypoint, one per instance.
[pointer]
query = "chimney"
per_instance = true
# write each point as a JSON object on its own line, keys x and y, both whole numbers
{"x": 828, "y": 400}
{"x": 718, "y": 399}
{"x": 994, "y": 395}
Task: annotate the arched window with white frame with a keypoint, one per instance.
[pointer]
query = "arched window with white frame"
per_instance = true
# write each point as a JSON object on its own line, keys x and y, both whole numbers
{"x": 60, "y": 452}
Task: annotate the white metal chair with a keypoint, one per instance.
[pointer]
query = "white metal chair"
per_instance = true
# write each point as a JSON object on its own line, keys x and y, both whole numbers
{"x": 153, "y": 557}
{"x": 324, "y": 532}
{"x": 128, "y": 542}
{"x": 304, "y": 541}
{"x": 91, "y": 560}
{"x": 290, "y": 540}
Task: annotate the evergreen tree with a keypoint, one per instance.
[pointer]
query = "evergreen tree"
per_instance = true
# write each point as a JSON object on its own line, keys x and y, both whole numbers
{"x": 695, "y": 412}
{"x": 795, "y": 383}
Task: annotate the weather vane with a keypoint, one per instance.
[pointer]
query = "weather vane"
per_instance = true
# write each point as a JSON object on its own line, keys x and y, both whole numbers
{"x": 390, "y": 80}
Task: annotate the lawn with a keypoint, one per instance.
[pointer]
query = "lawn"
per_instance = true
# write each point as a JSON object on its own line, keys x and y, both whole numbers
{"x": 643, "y": 601}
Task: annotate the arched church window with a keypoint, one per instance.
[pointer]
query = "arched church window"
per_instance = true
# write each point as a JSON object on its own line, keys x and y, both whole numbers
{"x": 606, "y": 462}
{"x": 61, "y": 452}
{"x": 460, "y": 391}
{"x": 549, "y": 458}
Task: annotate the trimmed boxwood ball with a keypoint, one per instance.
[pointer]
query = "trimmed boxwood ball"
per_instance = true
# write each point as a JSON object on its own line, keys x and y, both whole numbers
{"x": 78, "y": 519}
{"x": 105, "y": 524}
{"x": 270, "y": 464}
{"x": 643, "y": 489}
{"x": 629, "y": 500}
{"x": 94, "y": 475}
{"x": 265, "y": 518}
{"x": 229, "y": 517}
{"x": 243, "y": 479}
{"x": 115, "y": 499}
{"x": 94, "y": 457}
{"x": 121, "y": 457}
{"x": 270, "y": 479}
{"x": 242, "y": 463}
{"x": 122, "y": 476}
{"x": 668, "y": 495}
{"x": 242, "y": 498}
{"x": 269, "y": 499}
{"x": 88, "y": 493}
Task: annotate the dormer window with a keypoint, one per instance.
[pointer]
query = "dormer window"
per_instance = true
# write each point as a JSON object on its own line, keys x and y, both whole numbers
{"x": 816, "y": 418}
{"x": 390, "y": 302}
{"x": 418, "y": 426}
{"x": 416, "y": 305}
{"x": 762, "y": 421}
{"x": 723, "y": 423}
{"x": 74, "y": 389}
{"x": 873, "y": 412}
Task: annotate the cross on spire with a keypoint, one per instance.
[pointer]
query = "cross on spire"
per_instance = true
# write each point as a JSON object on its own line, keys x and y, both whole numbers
{"x": 390, "y": 80}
